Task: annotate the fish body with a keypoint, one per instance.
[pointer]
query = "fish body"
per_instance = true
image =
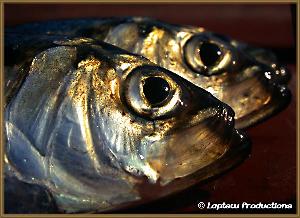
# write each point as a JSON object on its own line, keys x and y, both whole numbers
{"x": 247, "y": 78}
{"x": 97, "y": 126}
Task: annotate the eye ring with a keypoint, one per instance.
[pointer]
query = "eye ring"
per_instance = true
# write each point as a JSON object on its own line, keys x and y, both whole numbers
{"x": 133, "y": 92}
{"x": 205, "y": 55}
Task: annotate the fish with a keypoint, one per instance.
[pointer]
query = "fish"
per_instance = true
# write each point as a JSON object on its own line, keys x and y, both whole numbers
{"x": 247, "y": 78}
{"x": 95, "y": 127}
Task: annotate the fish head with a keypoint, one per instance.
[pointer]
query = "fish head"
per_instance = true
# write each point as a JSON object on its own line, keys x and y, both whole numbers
{"x": 181, "y": 128}
{"x": 117, "y": 121}
{"x": 154, "y": 126}
{"x": 152, "y": 122}
{"x": 248, "y": 79}
{"x": 157, "y": 124}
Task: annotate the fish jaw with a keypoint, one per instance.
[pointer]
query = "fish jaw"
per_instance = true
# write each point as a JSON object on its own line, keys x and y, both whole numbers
{"x": 280, "y": 97}
{"x": 258, "y": 97}
{"x": 194, "y": 147}
{"x": 239, "y": 149}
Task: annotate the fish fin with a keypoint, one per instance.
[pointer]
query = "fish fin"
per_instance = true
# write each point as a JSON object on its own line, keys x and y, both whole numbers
{"x": 22, "y": 155}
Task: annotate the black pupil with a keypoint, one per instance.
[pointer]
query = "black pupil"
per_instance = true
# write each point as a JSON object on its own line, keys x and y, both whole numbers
{"x": 156, "y": 90}
{"x": 209, "y": 53}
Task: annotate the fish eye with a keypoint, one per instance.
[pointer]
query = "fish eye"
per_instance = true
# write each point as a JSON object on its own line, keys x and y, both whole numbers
{"x": 210, "y": 53}
{"x": 156, "y": 90}
{"x": 151, "y": 92}
{"x": 206, "y": 56}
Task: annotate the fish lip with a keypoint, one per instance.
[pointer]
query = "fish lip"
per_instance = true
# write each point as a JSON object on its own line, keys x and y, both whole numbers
{"x": 280, "y": 99}
{"x": 229, "y": 116}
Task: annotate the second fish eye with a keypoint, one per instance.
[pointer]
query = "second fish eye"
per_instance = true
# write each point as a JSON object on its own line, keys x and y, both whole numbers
{"x": 156, "y": 90}
{"x": 206, "y": 55}
{"x": 210, "y": 53}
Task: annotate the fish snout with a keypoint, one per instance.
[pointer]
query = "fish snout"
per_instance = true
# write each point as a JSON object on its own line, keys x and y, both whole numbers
{"x": 227, "y": 114}
{"x": 205, "y": 100}
{"x": 277, "y": 75}
{"x": 277, "y": 79}
{"x": 268, "y": 61}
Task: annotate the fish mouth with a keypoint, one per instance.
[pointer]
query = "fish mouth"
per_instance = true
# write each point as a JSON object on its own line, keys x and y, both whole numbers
{"x": 279, "y": 96}
{"x": 197, "y": 146}
{"x": 239, "y": 148}
{"x": 239, "y": 151}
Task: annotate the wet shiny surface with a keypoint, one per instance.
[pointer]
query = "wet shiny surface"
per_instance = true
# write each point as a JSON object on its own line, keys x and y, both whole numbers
{"x": 249, "y": 79}
{"x": 85, "y": 103}
{"x": 269, "y": 174}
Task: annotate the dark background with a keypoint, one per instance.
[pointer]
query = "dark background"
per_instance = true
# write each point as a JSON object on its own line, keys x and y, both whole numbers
{"x": 269, "y": 175}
